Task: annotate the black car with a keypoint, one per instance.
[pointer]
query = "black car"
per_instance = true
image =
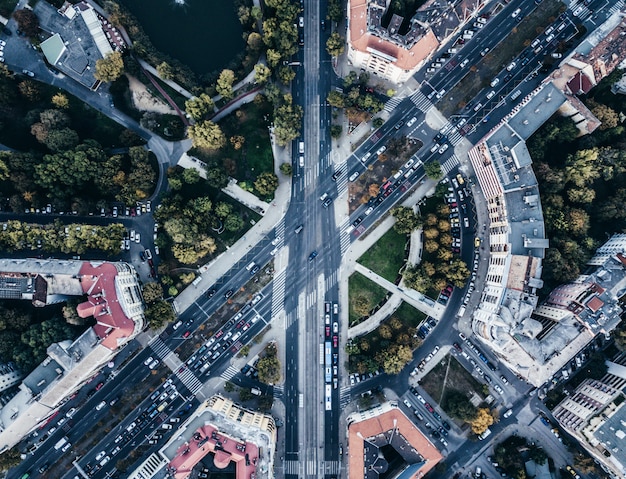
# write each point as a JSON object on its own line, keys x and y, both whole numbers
{"x": 357, "y": 221}
{"x": 323, "y": 25}
{"x": 228, "y": 293}
{"x": 210, "y": 293}
{"x": 6, "y": 31}
{"x": 312, "y": 256}
{"x": 446, "y": 425}
{"x": 44, "y": 468}
{"x": 336, "y": 175}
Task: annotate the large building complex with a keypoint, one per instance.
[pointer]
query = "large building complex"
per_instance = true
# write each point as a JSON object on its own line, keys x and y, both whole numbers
{"x": 396, "y": 51}
{"x": 595, "y": 414}
{"x": 219, "y": 436}
{"x": 113, "y": 298}
{"x": 383, "y": 442}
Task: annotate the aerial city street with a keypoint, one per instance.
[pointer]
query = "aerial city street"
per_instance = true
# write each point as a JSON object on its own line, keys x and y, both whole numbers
{"x": 358, "y": 239}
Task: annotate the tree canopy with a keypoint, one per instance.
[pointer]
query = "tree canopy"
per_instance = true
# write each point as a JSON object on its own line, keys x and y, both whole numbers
{"x": 109, "y": 68}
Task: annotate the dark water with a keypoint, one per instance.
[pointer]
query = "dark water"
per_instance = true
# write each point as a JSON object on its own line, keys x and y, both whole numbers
{"x": 203, "y": 34}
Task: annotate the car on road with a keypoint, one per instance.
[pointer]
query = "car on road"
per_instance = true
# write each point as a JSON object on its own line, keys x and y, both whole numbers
{"x": 516, "y": 13}
{"x": 312, "y": 256}
{"x": 429, "y": 408}
{"x": 484, "y": 51}
{"x": 228, "y": 293}
{"x": 335, "y": 327}
{"x": 464, "y": 63}
{"x": 28, "y": 73}
{"x": 498, "y": 389}
{"x": 381, "y": 150}
{"x": 335, "y": 341}
{"x": 494, "y": 82}
{"x": 186, "y": 334}
{"x": 443, "y": 148}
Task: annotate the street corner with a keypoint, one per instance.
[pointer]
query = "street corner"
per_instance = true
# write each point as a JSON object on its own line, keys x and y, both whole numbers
{"x": 434, "y": 119}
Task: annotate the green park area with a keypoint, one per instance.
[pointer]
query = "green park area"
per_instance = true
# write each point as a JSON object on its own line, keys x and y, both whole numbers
{"x": 388, "y": 347}
{"x": 386, "y": 256}
{"x": 364, "y": 295}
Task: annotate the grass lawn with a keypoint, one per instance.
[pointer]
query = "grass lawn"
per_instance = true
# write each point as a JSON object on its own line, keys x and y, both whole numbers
{"x": 409, "y": 316}
{"x": 361, "y": 287}
{"x": 449, "y": 374}
{"x": 386, "y": 256}
{"x": 481, "y": 74}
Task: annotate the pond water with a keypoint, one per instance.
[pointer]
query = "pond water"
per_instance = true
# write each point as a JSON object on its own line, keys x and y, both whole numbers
{"x": 203, "y": 34}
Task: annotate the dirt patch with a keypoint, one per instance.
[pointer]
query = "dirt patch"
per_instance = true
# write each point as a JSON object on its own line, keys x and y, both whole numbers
{"x": 368, "y": 185}
{"x": 481, "y": 74}
{"x": 449, "y": 374}
{"x": 143, "y": 100}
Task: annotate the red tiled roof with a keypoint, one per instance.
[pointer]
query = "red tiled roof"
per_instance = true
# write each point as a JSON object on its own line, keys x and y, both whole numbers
{"x": 580, "y": 84}
{"x": 224, "y": 448}
{"x": 595, "y": 303}
{"x": 98, "y": 282}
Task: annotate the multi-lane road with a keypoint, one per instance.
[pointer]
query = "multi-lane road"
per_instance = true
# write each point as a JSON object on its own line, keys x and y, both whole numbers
{"x": 307, "y": 290}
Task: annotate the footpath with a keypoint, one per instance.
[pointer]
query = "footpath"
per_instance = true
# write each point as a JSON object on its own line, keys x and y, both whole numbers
{"x": 399, "y": 292}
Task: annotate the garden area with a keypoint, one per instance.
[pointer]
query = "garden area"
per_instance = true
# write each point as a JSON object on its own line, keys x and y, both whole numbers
{"x": 515, "y": 453}
{"x": 365, "y": 295}
{"x": 369, "y": 183}
{"x": 386, "y": 257}
{"x": 390, "y": 346}
{"x": 439, "y": 266}
{"x": 449, "y": 375}
{"x": 198, "y": 222}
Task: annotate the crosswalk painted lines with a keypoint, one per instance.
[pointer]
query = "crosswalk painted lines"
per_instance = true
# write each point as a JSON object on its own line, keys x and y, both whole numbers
{"x": 450, "y": 164}
{"x": 278, "y": 292}
{"x": 230, "y": 373}
{"x": 420, "y": 101}
{"x": 331, "y": 280}
{"x": 392, "y": 103}
{"x": 292, "y": 468}
{"x": 344, "y": 396}
{"x": 278, "y": 391}
{"x": 161, "y": 349}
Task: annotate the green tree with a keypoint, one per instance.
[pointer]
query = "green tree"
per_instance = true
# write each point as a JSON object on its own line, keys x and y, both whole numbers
{"x": 287, "y": 119}
{"x": 10, "y": 458}
{"x": 233, "y": 222}
{"x": 433, "y": 170}
{"x": 159, "y": 313}
{"x": 199, "y": 107}
{"x": 406, "y": 219}
{"x": 457, "y": 405}
{"x": 606, "y": 114}
{"x": 336, "y": 99}
{"x": 27, "y": 21}
{"x": 286, "y": 74}
{"x": 191, "y": 176}
{"x": 335, "y": 44}
{"x": 335, "y": 10}
{"x": 285, "y": 169}
{"x": 165, "y": 71}
{"x": 109, "y": 68}
{"x": 225, "y": 82}
{"x": 395, "y": 358}
{"x": 266, "y": 183}
{"x": 538, "y": 455}
{"x": 152, "y": 292}
{"x": 222, "y": 209}
{"x": 377, "y": 122}
{"x": 216, "y": 177}
{"x": 481, "y": 421}
{"x": 206, "y": 134}
{"x": 335, "y": 131}
{"x": 61, "y": 140}
{"x": 261, "y": 73}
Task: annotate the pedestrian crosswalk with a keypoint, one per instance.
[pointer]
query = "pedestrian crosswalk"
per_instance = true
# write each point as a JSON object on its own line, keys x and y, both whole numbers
{"x": 161, "y": 349}
{"x": 616, "y": 7}
{"x": 292, "y": 468}
{"x": 580, "y": 10}
{"x": 344, "y": 396}
{"x": 331, "y": 467}
{"x": 186, "y": 376}
{"x": 392, "y": 103}
{"x": 230, "y": 373}
{"x": 450, "y": 164}
{"x": 278, "y": 391}
{"x": 345, "y": 236}
{"x": 190, "y": 380}
{"x": 331, "y": 280}
{"x": 278, "y": 293}
{"x": 420, "y": 101}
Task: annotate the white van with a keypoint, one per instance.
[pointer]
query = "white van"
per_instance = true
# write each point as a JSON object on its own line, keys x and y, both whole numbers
{"x": 301, "y": 147}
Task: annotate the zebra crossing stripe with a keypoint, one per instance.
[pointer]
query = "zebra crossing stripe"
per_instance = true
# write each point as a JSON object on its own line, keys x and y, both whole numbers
{"x": 230, "y": 373}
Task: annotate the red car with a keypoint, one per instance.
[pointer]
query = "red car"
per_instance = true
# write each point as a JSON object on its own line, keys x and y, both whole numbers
{"x": 99, "y": 386}
{"x": 328, "y": 331}
{"x": 429, "y": 407}
{"x": 335, "y": 341}
{"x": 187, "y": 334}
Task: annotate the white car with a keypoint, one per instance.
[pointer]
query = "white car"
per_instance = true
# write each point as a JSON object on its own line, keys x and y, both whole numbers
{"x": 411, "y": 121}
{"x": 153, "y": 364}
{"x": 132, "y": 235}
{"x": 369, "y": 211}
{"x": 464, "y": 63}
{"x": 443, "y": 148}
{"x": 137, "y": 238}
{"x": 100, "y": 455}
{"x": 381, "y": 150}
{"x": 148, "y": 361}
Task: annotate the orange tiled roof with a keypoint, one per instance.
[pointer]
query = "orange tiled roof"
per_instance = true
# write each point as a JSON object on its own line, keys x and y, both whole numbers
{"x": 393, "y": 419}
{"x": 362, "y": 40}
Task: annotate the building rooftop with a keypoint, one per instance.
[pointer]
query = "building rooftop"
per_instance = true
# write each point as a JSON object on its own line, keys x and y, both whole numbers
{"x": 370, "y": 435}
{"x": 81, "y": 50}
